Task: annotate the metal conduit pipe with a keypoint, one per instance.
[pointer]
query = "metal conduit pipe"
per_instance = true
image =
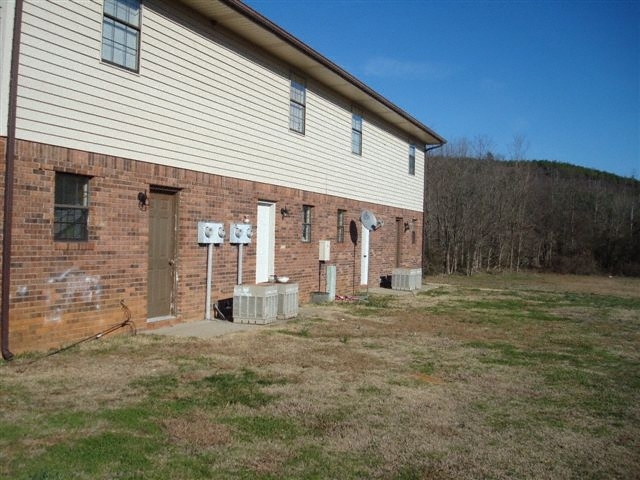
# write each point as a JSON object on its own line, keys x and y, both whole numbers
{"x": 425, "y": 238}
{"x": 10, "y": 154}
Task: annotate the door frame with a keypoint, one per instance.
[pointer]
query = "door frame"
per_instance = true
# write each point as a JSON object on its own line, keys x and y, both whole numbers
{"x": 364, "y": 255}
{"x": 173, "y": 280}
{"x": 265, "y": 240}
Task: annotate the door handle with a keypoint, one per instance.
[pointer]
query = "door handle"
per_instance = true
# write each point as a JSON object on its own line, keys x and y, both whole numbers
{"x": 172, "y": 262}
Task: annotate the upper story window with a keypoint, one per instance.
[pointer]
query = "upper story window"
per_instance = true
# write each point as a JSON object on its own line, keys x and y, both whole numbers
{"x": 340, "y": 236}
{"x": 306, "y": 223}
{"x": 71, "y": 208}
{"x": 412, "y": 159}
{"x": 356, "y": 134}
{"x": 121, "y": 33}
{"x": 298, "y": 95}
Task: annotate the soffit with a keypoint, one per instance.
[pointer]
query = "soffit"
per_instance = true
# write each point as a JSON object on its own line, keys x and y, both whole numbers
{"x": 249, "y": 24}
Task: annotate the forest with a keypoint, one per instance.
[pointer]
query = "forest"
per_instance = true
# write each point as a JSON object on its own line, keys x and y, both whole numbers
{"x": 492, "y": 215}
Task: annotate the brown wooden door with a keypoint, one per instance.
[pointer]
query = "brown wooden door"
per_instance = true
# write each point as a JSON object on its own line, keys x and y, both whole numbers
{"x": 162, "y": 223}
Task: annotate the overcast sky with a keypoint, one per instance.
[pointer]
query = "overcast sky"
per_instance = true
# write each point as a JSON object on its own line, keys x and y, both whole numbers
{"x": 565, "y": 74}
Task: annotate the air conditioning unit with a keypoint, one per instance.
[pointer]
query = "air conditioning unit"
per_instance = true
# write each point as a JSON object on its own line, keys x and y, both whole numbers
{"x": 255, "y": 304}
{"x": 287, "y": 300}
{"x": 406, "y": 279}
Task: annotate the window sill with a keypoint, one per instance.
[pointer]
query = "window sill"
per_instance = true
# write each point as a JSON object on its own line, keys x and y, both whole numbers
{"x": 62, "y": 245}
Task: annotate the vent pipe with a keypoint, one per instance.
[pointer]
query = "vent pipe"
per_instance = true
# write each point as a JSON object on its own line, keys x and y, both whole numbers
{"x": 10, "y": 154}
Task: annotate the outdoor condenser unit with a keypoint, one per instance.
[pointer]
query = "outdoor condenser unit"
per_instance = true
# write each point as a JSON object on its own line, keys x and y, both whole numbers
{"x": 287, "y": 300}
{"x": 406, "y": 279}
{"x": 255, "y": 303}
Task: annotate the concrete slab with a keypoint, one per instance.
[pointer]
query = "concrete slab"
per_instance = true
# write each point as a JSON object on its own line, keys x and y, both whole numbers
{"x": 218, "y": 328}
{"x": 201, "y": 329}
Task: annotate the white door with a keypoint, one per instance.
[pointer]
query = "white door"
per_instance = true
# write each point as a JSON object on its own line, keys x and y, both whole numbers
{"x": 265, "y": 241}
{"x": 364, "y": 257}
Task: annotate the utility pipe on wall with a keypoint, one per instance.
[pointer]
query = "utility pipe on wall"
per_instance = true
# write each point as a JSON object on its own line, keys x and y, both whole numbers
{"x": 425, "y": 207}
{"x": 207, "y": 308}
{"x": 10, "y": 154}
{"x": 240, "y": 255}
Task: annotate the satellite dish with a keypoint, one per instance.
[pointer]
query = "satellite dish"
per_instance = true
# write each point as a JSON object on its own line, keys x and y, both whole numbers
{"x": 369, "y": 221}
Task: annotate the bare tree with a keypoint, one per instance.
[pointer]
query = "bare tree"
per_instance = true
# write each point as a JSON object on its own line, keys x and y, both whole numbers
{"x": 518, "y": 147}
{"x": 481, "y": 213}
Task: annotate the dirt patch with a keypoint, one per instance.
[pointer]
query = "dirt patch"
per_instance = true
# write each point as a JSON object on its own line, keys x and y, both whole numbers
{"x": 197, "y": 431}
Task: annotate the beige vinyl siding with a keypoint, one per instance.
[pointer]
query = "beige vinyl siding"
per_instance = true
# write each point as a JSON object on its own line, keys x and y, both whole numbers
{"x": 7, "y": 8}
{"x": 203, "y": 101}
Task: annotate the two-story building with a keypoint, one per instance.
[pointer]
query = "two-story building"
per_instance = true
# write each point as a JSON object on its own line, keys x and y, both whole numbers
{"x": 125, "y": 123}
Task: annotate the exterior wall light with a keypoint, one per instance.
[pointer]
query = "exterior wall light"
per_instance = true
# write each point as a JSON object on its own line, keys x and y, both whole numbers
{"x": 142, "y": 200}
{"x": 410, "y": 226}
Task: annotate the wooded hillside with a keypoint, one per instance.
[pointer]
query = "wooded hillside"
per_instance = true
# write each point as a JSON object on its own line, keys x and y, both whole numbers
{"x": 483, "y": 214}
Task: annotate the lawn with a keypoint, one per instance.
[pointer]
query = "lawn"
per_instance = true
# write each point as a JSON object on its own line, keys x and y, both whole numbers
{"x": 490, "y": 376}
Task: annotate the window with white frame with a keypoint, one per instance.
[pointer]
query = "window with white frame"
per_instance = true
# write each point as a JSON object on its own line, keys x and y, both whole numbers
{"x": 71, "y": 208}
{"x": 298, "y": 97}
{"x": 306, "y": 223}
{"x": 121, "y": 33}
{"x": 412, "y": 159}
{"x": 356, "y": 134}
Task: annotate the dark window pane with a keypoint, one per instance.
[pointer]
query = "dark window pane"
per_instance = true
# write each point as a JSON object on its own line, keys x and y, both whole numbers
{"x": 71, "y": 224}
{"x": 412, "y": 160}
{"x": 71, "y": 211}
{"x": 121, "y": 32}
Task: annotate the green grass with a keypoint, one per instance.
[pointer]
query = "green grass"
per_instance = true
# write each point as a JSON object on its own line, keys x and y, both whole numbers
{"x": 265, "y": 427}
{"x": 303, "y": 332}
{"x": 371, "y": 305}
{"x": 129, "y": 440}
{"x": 422, "y": 365}
{"x": 469, "y": 381}
{"x": 581, "y": 377}
{"x": 434, "y": 292}
{"x": 104, "y": 455}
{"x": 242, "y": 388}
{"x": 302, "y": 328}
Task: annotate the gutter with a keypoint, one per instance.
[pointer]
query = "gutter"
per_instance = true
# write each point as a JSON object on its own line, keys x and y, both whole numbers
{"x": 428, "y": 149}
{"x": 425, "y": 233}
{"x": 8, "y": 182}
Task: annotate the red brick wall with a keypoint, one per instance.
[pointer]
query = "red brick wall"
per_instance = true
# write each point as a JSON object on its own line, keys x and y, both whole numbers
{"x": 62, "y": 292}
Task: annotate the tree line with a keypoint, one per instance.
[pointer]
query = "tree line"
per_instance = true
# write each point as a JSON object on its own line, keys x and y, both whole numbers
{"x": 489, "y": 214}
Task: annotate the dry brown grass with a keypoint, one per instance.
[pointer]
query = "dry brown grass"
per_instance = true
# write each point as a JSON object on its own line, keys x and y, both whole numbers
{"x": 422, "y": 388}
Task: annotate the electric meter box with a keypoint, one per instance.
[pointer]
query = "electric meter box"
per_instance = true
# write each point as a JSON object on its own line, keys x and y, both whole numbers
{"x": 211, "y": 232}
{"x": 324, "y": 253}
{"x": 240, "y": 233}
